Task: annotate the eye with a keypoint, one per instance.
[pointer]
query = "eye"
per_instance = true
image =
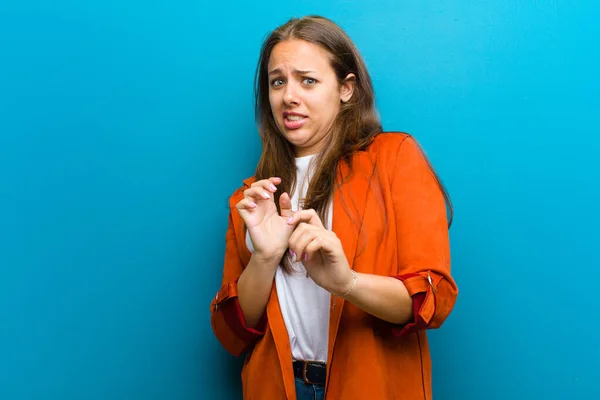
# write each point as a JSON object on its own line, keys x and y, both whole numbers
{"x": 309, "y": 81}
{"x": 276, "y": 82}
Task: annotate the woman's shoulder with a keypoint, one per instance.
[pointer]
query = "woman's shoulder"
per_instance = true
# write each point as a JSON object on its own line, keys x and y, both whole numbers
{"x": 389, "y": 143}
{"x": 396, "y": 148}
{"x": 392, "y": 138}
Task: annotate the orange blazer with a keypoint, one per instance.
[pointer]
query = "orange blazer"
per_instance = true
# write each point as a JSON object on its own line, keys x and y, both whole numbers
{"x": 390, "y": 216}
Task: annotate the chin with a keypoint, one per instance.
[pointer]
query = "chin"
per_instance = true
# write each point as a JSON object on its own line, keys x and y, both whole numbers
{"x": 295, "y": 135}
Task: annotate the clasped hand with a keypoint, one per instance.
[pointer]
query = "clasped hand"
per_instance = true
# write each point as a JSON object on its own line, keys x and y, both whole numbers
{"x": 302, "y": 232}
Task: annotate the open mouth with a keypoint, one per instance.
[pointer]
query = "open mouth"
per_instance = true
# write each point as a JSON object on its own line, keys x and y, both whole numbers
{"x": 293, "y": 121}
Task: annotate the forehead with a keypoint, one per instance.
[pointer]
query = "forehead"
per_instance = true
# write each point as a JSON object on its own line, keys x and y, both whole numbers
{"x": 300, "y": 55}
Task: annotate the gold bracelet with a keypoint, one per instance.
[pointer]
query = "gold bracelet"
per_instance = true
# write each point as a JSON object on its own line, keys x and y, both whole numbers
{"x": 354, "y": 279}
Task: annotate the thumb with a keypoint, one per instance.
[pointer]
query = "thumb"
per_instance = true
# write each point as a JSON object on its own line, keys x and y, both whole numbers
{"x": 285, "y": 204}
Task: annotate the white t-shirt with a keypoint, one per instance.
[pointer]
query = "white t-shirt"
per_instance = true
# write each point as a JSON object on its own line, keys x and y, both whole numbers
{"x": 304, "y": 305}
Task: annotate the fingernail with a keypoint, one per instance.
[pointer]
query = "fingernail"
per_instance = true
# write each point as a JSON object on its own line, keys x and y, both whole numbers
{"x": 305, "y": 257}
{"x": 253, "y": 204}
{"x": 289, "y": 219}
{"x": 273, "y": 187}
{"x": 266, "y": 195}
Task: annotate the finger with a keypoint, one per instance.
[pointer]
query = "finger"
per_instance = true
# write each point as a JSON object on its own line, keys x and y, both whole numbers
{"x": 301, "y": 230}
{"x": 297, "y": 233}
{"x": 313, "y": 248}
{"x": 285, "y": 204}
{"x": 257, "y": 193}
{"x": 330, "y": 244}
{"x": 268, "y": 184}
{"x": 245, "y": 204}
{"x": 309, "y": 216}
{"x": 300, "y": 238}
{"x": 263, "y": 189}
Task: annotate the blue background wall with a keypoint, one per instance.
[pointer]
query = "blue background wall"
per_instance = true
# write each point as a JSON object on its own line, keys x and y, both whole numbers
{"x": 124, "y": 127}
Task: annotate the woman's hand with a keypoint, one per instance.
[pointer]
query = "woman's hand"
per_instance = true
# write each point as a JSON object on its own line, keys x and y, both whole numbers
{"x": 321, "y": 252}
{"x": 268, "y": 230}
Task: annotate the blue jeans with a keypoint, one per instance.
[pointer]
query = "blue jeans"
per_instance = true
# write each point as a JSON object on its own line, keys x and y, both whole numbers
{"x": 308, "y": 392}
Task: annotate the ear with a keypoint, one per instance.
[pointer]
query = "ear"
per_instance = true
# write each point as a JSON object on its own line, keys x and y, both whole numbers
{"x": 347, "y": 88}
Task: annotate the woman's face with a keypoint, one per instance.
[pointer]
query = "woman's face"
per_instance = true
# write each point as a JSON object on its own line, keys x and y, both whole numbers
{"x": 304, "y": 93}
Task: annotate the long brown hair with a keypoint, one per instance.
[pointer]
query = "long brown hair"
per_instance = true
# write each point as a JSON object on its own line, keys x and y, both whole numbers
{"x": 354, "y": 128}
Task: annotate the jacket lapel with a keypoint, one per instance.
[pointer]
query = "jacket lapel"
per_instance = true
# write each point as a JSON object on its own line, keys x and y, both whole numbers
{"x": 349, "y": 202}
{"x": 274, "y": 316}
{"x": 282, "y": 342}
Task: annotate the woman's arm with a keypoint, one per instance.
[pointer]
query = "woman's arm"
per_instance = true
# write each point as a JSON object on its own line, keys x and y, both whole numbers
{"x": 382, "y": 296}
{"x": 254, "y": 288}
{"x": 423, "y": 292}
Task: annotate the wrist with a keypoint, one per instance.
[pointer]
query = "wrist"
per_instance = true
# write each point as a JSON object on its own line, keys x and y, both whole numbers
{"x": 345, "y": 290}
{"x": 265, "y": 260}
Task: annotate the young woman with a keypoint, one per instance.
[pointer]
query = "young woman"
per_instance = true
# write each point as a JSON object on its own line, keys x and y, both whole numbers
{"x": 337, "y": 254}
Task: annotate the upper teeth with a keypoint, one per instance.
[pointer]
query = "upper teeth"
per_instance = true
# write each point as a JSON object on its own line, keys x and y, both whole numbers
{"x": 294, "y": 117}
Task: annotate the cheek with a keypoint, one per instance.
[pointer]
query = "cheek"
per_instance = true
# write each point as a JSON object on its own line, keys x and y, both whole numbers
{"x": 273, "y": 101}
{"x": 328, "y": 110}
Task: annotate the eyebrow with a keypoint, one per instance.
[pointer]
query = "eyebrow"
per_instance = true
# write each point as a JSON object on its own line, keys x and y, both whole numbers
{"x": 296, "y": 72}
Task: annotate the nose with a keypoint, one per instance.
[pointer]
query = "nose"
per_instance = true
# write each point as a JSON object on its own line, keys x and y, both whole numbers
{"x": 290, "y": 96}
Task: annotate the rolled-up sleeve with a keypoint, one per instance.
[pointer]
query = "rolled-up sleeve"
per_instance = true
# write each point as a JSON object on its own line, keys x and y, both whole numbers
{"x": 423, "y": 242}
{"x": 227, "y": 319}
